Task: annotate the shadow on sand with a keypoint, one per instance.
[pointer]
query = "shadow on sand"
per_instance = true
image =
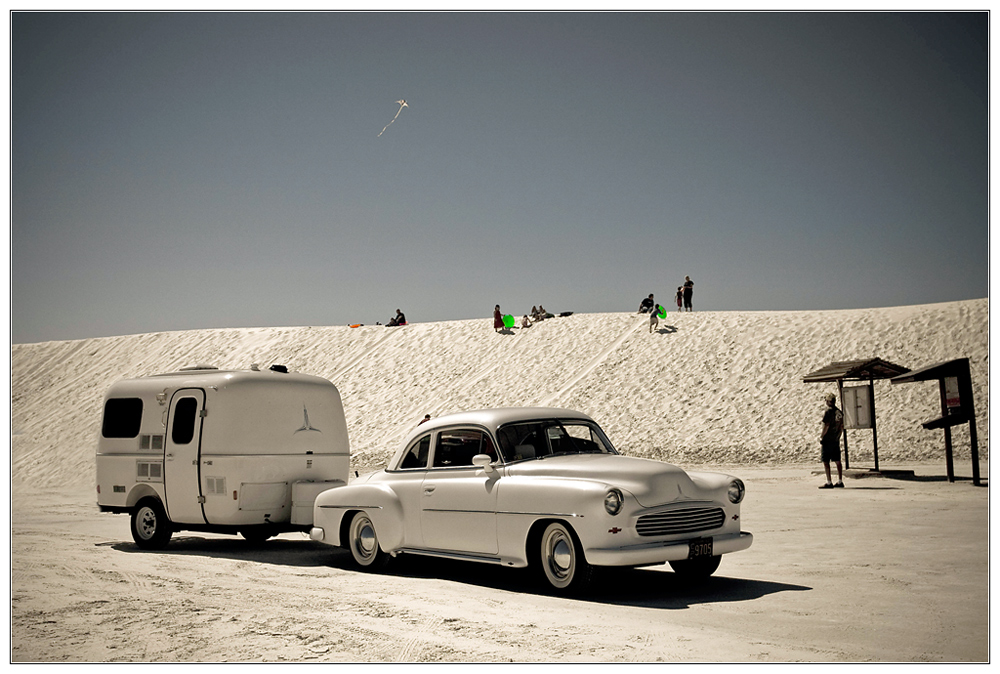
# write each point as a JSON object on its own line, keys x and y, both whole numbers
{"x": 626, "y": 587}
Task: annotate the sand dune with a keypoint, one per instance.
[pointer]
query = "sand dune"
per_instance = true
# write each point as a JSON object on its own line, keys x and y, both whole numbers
{"x": 706, "y": 388}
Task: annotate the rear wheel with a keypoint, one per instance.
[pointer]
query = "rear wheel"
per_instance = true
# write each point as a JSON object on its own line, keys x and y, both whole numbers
{"x": 363, "y": 542}
{"x": 150, "y": 527}
{"x": 696, "y": 569}
{"x": 561, "y": 558}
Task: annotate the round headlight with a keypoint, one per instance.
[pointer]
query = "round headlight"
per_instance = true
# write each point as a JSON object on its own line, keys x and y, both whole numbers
{"x": 736, "y": 490}
{"x": 613, "y": 502}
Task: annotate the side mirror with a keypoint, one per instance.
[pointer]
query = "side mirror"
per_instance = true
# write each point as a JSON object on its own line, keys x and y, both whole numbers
{"x": 484, "y": 462}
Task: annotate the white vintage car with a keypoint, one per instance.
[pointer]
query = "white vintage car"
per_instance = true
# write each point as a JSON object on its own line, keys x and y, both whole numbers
{"x": 527, "y": 486}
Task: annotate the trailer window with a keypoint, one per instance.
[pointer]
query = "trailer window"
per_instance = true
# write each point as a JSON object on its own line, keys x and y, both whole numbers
{"x": 184, "y": 417}
{"x": 122, "y": 417}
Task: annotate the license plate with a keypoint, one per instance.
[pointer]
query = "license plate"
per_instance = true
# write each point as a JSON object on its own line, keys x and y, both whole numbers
{"x": 700, "y": 547}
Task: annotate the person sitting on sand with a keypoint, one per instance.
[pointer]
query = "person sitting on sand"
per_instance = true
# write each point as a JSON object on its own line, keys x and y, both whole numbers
{"x": 542, "y": 313}
{"x": 646, "y": 305}
{"x": 525, "y": 321}
{"x": 398, "y": 319}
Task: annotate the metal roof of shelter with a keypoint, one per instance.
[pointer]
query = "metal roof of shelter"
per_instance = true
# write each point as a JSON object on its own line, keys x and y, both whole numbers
{"x": 861, "y": 370}
{"x": 950, "y": 368}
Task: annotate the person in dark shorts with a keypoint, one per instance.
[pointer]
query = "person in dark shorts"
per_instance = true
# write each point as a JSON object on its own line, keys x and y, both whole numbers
{"x": 833, "y": 426}
{"x": 688, "y": 293}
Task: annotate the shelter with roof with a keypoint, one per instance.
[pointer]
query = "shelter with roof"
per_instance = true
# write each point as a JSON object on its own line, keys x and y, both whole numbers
{"x": 957, "y": 406}
{"x": 859, "y": 409}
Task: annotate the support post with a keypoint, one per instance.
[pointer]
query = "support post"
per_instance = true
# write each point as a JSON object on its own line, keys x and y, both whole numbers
{"x": 871, "y": 389}
{"x": 949, "y": 459}
{"x": 847, "y": 458}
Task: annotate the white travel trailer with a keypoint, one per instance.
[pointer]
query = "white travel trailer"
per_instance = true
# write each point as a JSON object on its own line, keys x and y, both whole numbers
{"x": 203, "y": 449}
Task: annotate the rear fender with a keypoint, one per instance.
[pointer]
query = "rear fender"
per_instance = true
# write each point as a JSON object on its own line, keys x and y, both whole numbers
{"x": 334, "y": 509}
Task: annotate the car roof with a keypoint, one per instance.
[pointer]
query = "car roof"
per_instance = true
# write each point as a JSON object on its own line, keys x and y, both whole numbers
{"x": 490, "y": 419}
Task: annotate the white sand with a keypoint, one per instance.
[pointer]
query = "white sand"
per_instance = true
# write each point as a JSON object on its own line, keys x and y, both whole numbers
{"x": 885, "y": 570}
{"x": 710, "y": 388}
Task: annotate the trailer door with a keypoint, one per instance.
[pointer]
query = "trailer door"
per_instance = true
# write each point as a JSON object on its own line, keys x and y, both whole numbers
{"x": 181, "y": 457}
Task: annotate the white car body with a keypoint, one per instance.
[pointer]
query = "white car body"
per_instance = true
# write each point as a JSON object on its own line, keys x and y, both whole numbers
{"x": 435, "y": 499}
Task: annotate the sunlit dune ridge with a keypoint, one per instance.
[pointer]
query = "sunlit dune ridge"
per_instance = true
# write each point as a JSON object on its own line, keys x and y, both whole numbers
{"x": 703, "y": 389}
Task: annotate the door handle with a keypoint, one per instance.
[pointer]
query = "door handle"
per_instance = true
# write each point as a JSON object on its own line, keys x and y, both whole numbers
{"x": 428, "y": 491}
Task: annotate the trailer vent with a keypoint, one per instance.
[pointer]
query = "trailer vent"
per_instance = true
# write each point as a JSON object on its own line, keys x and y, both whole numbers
{"x": 215, "y": 485}
{"x": 149, "y": 471}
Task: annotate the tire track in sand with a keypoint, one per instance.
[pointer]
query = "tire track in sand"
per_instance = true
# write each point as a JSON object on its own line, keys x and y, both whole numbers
{"x": 552, "y": 399}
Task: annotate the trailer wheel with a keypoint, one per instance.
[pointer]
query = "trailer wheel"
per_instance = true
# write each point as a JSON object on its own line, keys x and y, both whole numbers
{"x": 257, "y": 534}
{"x": 151, "y": 529}
{"x": 363, "y": 542}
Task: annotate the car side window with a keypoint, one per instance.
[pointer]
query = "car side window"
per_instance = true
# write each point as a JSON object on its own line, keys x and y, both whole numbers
{"x": 456, "y": 447}
{"x": 417, "y": 455}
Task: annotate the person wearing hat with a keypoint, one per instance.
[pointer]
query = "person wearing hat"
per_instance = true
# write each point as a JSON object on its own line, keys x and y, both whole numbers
{"x": 833, "y": 426}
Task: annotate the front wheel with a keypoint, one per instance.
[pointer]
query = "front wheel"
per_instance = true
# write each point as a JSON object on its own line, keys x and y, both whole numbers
{"x": 696, "y": 569}
{"x": 363, "y": 542}
{"x": 150, "y": 527}
{"x": 562, "y": 561}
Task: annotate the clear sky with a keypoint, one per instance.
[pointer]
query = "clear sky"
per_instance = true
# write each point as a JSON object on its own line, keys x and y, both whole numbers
{"x": 179, "y": 171}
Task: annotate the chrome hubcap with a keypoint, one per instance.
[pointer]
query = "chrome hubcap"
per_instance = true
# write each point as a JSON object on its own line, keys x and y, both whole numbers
{"x": 366, "y": 539}
{"x": 562, "y": 556}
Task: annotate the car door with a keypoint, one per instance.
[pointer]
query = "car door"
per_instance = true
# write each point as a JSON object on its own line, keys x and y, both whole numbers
{"x": 459, "y": 500}
{"x": 181, "y": 457}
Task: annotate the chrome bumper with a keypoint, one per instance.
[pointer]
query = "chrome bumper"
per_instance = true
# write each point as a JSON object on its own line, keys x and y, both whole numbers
{"x": 658, "y": 553}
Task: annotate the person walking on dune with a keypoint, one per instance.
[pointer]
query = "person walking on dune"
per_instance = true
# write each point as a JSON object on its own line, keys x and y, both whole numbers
{"x": 833, "y": 426}
{"x": 688, "y": 292}
{"x": 654, "y": 317}
{"x": 497, "y": 320}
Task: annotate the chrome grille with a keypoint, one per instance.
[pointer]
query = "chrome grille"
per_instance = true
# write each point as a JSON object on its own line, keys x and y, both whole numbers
{"x": 681, "y": 521}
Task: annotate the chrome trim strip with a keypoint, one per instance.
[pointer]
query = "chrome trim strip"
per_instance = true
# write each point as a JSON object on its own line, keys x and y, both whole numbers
{"x": 460, "y": 556}
{"x": 499, "y": 512}
{"x": 348, "y": 507}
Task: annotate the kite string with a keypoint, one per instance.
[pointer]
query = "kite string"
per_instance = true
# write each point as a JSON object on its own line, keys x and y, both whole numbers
{"x": 402, "y": 104}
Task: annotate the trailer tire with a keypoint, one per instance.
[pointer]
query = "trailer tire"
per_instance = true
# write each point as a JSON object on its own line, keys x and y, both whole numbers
{"x": 257, "y": 534}
{"x": 151, "y": 528}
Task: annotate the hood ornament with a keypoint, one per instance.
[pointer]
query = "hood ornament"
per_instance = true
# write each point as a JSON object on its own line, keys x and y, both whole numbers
{"x": 305, "y": 422}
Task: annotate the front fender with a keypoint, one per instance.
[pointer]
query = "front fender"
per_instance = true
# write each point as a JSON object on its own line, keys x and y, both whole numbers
{"x": 379, "y": 501}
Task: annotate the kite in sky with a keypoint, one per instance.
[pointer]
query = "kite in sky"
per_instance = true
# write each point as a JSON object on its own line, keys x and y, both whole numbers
{"x": 402, "y": 104}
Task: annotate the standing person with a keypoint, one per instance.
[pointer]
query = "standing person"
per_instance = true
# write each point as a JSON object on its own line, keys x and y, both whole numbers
{"x": 497, "y": 320}
{"x": 680, "y": 298}
{"x": 833, "y": 425}
{"x": 688, "y": 292}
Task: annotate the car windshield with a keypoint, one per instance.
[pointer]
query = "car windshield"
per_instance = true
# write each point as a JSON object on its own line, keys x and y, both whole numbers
{"x": 538, "y": 439}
